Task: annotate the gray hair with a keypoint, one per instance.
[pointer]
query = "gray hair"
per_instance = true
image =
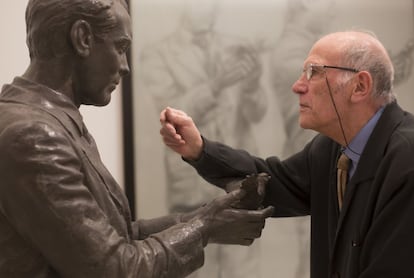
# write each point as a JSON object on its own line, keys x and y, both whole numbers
{"x": 48, "y": 23}
{"x": 360, "y": 55}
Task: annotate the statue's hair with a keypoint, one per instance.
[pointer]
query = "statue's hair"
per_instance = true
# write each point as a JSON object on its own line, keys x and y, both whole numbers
{"x": 48, "y": 23}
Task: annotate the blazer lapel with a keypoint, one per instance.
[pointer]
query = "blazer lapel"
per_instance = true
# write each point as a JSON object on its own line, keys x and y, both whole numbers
{"x": 370, "y": 159}
{"x": 90, "y": 150}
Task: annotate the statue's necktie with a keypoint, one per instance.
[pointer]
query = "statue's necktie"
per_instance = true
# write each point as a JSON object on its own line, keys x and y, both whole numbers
{"x": 342, "y": 177}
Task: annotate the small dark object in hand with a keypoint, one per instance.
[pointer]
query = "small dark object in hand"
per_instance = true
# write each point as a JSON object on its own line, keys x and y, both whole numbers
{"x": 255, "y": 186}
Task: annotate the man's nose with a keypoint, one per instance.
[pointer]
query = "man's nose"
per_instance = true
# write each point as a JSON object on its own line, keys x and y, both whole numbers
{"x": 300, "y": 86}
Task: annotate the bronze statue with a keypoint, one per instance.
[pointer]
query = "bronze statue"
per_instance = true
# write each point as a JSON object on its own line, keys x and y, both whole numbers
{"x": 61, "y": 212}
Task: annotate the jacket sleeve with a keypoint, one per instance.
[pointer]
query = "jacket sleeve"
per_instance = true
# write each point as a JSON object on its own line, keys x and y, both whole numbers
{"x": 143, "y": 228}
{"x": 288, "y": 189}
{"x": 43, "y": 196}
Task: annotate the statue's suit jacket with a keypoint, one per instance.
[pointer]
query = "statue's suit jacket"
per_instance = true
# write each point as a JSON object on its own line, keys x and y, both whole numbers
{"x": 373, "y": 234}
{"x": 61, "y": 212}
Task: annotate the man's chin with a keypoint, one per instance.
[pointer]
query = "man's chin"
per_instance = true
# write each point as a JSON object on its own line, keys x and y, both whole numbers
{"x": 303, "y": 124}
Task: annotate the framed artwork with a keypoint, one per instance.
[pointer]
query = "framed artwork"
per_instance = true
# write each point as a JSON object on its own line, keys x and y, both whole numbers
{"x": 182, "y": 47}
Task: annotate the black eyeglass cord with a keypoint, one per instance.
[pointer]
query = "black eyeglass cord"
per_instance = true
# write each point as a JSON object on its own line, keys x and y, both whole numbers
{"x": 339, "y": 118}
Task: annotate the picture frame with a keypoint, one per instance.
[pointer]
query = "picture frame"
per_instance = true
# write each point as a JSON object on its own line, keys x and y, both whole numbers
{"x": 268, "y": 27}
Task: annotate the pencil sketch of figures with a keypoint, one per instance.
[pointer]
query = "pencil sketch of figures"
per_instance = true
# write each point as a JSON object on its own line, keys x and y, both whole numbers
{"x": 403, "y": 62}
{"x": 215, "y": 79}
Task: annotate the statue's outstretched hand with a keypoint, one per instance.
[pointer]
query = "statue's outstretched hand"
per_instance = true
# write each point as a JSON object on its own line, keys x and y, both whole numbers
{"x": 219, "y": 222}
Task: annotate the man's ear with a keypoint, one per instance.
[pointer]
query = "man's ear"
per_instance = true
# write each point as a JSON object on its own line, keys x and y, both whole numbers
{"x": 363, "y": 86}
{"x": 81, "y": 37}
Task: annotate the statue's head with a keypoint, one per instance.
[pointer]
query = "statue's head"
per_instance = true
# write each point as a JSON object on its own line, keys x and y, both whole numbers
{"x": 49, "y": 22}
{"x": 85, "y": 40}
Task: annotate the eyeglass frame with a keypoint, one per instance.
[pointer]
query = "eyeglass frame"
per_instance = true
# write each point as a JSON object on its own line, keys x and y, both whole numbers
{"x": 308, "y": 70}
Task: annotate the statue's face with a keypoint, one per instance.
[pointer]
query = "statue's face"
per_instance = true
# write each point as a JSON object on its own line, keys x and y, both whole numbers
{"x": 100, "y": 73}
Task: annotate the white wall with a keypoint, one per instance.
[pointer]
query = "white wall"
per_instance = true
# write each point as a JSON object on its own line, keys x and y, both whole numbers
{"x": 104, "y": 123}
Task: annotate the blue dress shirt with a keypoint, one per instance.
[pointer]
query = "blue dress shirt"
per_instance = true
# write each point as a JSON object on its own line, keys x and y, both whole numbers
{"x": 357, "y": 145}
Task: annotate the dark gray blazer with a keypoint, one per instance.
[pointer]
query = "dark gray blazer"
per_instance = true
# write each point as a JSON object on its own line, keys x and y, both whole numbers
{"x": 373, "y": 236}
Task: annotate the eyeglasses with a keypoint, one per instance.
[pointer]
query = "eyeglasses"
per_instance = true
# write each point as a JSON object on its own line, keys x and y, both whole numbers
{"x": 312, "y": 68}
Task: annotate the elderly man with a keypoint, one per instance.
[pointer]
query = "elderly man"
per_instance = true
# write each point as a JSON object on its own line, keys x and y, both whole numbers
{"x": 61, "y": 212}
{"x": 361, "y": 214}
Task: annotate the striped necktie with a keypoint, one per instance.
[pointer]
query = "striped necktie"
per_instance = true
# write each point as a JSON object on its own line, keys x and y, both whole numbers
{"x": 342, "y": 177}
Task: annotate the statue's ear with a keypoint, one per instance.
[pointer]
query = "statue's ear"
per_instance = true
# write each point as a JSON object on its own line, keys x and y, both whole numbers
{"x": 81, "y": 37}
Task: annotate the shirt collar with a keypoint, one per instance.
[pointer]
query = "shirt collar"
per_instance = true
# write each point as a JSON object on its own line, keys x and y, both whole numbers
{"x": 357, "y": 145}
{"x": 42, "y": 97}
